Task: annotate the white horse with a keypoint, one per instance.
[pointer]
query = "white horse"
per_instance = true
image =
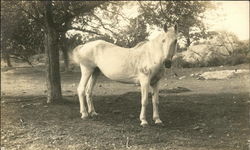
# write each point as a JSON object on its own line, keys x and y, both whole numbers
{"x": 143, "y": 64}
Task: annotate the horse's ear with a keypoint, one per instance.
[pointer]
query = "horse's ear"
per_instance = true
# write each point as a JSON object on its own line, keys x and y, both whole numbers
{"x": 176, "y": 28}
{"x": 165, "y": 27}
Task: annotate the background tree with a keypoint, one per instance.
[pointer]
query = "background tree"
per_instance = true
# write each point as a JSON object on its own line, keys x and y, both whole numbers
{"x": 230, "y": 42}
{"x": 110, "y": 23}
{"x": 54, "y": 19}
{"x": 134, "y": 33}
{"x": 188, "y": 15}
{"x": 20, "y": 37}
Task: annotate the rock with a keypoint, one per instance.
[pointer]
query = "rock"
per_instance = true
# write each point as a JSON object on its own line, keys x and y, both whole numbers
{"x": 182, "y": 77}
{"x": 222, "y": 74}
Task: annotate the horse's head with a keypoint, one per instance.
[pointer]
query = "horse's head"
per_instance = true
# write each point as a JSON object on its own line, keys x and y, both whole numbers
{"x": 169, "y": 44}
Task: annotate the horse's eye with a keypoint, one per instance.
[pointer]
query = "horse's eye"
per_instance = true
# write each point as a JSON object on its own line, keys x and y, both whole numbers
{"x": 163, "y": 41}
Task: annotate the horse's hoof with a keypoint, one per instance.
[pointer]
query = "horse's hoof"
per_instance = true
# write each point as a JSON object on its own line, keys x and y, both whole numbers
{"x": 84, "y": 117}
{"x": 144, "y": 125}
{"x": 94, "y": 114}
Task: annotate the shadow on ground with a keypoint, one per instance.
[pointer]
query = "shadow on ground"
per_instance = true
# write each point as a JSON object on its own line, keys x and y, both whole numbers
{"x": 209, "y": 121}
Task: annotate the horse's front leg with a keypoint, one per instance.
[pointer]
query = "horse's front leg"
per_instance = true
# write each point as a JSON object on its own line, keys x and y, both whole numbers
{"x": 155, "y": 102}
{"x": 144, "y": 100}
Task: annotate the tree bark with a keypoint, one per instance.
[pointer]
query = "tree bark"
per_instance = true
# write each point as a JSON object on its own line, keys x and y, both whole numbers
{"x": 53, "y": 80}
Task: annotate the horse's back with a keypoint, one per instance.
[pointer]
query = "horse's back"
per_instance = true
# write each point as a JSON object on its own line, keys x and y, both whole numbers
{"x": 87, "y": 52}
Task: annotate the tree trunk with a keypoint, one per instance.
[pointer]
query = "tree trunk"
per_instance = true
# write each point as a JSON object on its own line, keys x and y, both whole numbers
{"x": 53, "y": 80}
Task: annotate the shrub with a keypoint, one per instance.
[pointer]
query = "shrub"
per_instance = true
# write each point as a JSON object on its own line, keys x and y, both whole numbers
{"x": 235, "y": 60}
{"x": 215, "y": 61}
{"x": 179, "y": 62}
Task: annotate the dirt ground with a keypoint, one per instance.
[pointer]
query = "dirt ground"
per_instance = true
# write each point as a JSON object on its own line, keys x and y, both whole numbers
{"x": 198, "y": 114}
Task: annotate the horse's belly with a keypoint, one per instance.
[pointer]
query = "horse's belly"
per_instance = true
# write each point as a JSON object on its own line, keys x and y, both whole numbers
{"x": 119, "y": 72}
{"x": 121, "y": 76}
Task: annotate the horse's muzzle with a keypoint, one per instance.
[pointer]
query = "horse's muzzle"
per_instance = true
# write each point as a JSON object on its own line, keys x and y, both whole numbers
{"x": 167, "y": 63}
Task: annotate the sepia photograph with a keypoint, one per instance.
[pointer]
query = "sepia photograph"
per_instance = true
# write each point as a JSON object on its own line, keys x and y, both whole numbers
{"x": 117, "y": 75}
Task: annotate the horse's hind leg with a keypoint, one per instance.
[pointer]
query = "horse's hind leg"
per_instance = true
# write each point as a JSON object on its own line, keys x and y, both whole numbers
{"x": 90, "y": 87}
{"x": 86, "y": 73}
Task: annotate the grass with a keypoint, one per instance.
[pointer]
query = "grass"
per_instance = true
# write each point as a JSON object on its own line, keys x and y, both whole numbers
{"x": 203, "y": 114}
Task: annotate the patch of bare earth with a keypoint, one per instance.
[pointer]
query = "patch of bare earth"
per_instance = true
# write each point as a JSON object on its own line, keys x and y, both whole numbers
{"x": 198, "y": 114}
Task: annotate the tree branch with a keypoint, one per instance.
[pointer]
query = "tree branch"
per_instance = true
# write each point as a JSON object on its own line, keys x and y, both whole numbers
{"x": 162, "y": 11}
{"x": 84, "y": 30}
{"x": 100, "y": 21}
{"x": 37, "y": 11}
{"x": 76, "y": 12}
{"x": 119, "y": 14}
{"x": 85, "y": 9}
{"x": 31, "y": 15}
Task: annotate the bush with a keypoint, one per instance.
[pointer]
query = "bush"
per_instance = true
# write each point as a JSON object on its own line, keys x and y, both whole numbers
{"x": 215, "y": 61}
{"x": 236, "y": 60}
{"x": 179, "y": 62}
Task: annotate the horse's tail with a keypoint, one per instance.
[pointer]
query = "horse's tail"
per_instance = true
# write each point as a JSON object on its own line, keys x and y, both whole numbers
{"x": 75, "y": 55}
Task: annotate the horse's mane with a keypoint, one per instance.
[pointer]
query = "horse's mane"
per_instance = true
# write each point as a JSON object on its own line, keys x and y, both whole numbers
{"x": 140, "y": 44}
